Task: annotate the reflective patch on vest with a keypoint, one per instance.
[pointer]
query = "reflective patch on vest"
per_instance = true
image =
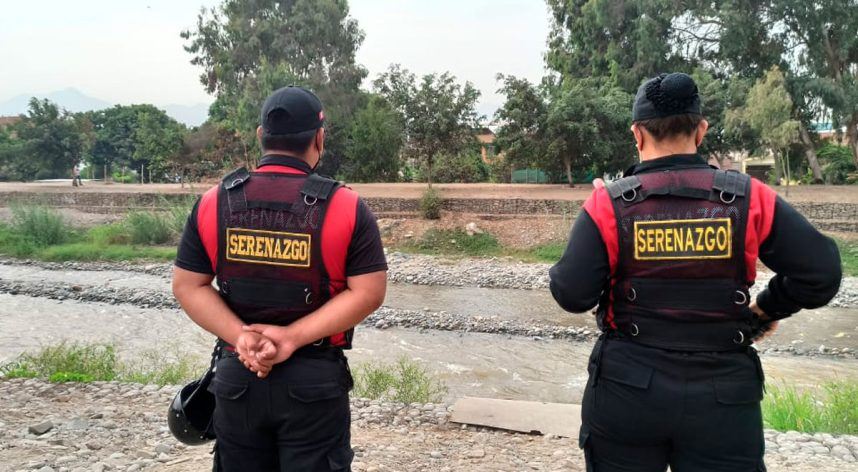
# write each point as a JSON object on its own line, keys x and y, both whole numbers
{"x": 268, "y": 247}
{"x": 684, "y": 239}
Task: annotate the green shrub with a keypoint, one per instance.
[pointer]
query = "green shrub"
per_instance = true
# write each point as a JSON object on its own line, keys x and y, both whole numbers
{"x": 14, "y": 244}
{"x": 124, "y": 178}
{"x": 39, "y": 225}
{"x": 178, "y": 212}
{"x": 835, "y": 411}
{"x": 95, "y": 361}
{"x": 848, "y": 257}
{"x": 98, "y": 362}
{"x": 837, "y": 165}
{"x": 464, "y": 167}
{"x": 114, "y": 233}
{"x": 404, "y": 381}
{"x": 430, "y": 204}
{"x": 146, "y": 227}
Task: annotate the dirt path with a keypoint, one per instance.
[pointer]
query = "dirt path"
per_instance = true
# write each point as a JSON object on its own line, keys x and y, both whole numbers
{"x": 819, "y": 194}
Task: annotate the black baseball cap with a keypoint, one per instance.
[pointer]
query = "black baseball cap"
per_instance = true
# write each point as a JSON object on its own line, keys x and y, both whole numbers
{"x": 292, "y": 111}
{"x": 666, "y": 95}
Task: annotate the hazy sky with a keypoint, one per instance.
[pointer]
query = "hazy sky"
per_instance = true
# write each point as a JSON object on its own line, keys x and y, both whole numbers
{"x": 129, "y": 51}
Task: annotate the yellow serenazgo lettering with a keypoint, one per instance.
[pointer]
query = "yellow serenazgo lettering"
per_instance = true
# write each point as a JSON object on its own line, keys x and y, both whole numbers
{"x": 683, "y": 239}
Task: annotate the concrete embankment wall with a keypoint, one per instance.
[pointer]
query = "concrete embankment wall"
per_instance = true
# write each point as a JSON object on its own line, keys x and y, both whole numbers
{"x": 841, "y": 217}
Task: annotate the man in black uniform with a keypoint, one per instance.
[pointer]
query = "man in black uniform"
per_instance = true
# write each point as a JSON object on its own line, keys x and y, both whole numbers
{"x": 669, "y": 253}
{"x": 299, "y": 262}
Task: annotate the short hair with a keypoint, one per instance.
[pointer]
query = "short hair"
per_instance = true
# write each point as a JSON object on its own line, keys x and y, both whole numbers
{"x": 297, "y": 143}
{"x": 671, "y": 126}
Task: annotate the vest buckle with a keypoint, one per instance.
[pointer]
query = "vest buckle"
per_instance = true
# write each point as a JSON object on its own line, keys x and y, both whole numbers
{"x": 732, "y": 197}
{"x": 743, "y": 299}
{"x": 740, "y": 339}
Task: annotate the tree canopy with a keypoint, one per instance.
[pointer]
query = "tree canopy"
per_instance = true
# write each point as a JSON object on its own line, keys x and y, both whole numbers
{"x": 437, "y": 112}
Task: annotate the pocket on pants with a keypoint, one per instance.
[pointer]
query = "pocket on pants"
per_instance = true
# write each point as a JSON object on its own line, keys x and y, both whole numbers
{"x": 317, "y": 392}
{"x": 341, "y": 458}
{"x": 230, "y": 414}
{"x": 227, "y": 390}
{"x": 738, "y": 392}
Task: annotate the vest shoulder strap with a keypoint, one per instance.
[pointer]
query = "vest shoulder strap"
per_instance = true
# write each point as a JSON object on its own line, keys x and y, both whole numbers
{"x": 236, "y": 178}
{"x": 625, "y": 188}
{"x": 731, "y": 182}
{"x": 319, "y": 188}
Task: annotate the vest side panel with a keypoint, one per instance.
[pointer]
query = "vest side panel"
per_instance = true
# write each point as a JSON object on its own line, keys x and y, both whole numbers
{"x": 761, "y": 215}
{"x": 207, "y": 225}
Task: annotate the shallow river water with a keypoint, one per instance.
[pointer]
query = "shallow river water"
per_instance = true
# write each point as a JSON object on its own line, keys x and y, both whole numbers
{"x": 471, "y": 364}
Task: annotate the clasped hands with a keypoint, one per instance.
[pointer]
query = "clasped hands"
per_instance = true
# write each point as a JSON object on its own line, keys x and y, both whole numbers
{"x": 260, "y": 347}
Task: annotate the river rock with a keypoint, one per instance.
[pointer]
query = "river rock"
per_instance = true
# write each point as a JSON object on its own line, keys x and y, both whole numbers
{"x": 41, "y": 428}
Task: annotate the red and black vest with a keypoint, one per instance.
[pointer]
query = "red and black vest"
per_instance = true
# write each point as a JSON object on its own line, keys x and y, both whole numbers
{"x": 681, "y": 279}
{"x": 270, "y": 268}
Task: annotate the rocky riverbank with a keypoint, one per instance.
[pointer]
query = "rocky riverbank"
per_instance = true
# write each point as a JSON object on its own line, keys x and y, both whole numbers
{"x": 106, "y": 426}
{"x": 419, "y": 269}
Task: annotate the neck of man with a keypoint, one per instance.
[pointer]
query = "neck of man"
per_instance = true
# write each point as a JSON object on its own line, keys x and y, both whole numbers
{"x": 309, "y": 158}
{"x": 668, "y": 148}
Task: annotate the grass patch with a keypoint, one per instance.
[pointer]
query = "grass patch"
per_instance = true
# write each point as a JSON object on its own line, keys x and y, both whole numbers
{"x": 456, "y": 242}
{"x": 40, "y": 233}
{"x": 88, "y": 251}
{"x": 38, "y": 225}
{"x": 404, "y": 381}
{"x": 75, "y": 362}
{"x": 834, "y": 410}
{"x": 147, "y": 227}
{"x": 849, "y": 256}
{"x": 93, "y": 361}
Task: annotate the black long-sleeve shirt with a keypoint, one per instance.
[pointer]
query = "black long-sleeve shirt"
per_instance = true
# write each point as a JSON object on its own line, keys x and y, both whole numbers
{"x": 806, "y": 263}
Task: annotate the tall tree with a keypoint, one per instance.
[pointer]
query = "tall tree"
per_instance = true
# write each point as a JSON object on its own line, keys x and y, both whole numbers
{"x": 768, "y": 112}
{"x": 135, "y": 137}
{"x": 375, "y": 142}
{"x": 51, "y": 141}
{"x": 721, "y": 95}
{"x": 521, "y": 122}
{"x": 822, "y": 36}
{"x": 587, "y": 127}
{"x": 438, "y": 114}
{"x": 249, "y": 48}
{"x": 627, "y": 40}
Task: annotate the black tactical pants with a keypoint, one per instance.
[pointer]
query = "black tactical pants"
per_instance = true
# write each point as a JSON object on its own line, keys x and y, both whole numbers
{"x": 646, "y": 408}
{"x": 295, "y": 420}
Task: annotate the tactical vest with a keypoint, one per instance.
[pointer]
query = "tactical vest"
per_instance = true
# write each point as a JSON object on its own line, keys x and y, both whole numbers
{"x": 270, "y": 268}
{"x": 681, "y": 278}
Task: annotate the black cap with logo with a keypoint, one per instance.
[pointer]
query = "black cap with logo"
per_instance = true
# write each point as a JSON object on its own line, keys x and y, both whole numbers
{"x": 292, "y": 111}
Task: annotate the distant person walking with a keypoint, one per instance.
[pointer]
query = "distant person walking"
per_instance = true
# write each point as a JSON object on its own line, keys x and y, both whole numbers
{"x": 669, "y": 253}
{"x": 76, "y": 180}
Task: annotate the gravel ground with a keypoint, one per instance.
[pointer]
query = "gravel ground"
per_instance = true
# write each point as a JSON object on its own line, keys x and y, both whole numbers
{"x": 110, "y": 426}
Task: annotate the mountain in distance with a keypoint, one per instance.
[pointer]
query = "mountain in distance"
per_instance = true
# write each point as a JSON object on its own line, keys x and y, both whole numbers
{"x": 191, "y": 115}
{"x": 71, "y": 99}
{"x": 76, "y": 101}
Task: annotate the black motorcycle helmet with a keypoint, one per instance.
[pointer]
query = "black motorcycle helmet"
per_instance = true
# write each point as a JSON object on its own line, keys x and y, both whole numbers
{"x": 190, "y": 414}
